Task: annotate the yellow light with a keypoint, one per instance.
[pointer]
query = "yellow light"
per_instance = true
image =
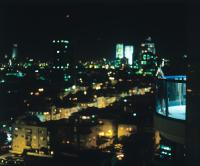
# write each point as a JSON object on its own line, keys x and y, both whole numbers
{"x": 51, "y": 152}
{"x": 109, "y": 133}
{"x": 120, "y": 156}
{"x": 111, "y": 78}
{"x": 41, "y": 89}
{"x": 98, "y": 87}
{"x": 85, "y": 117}
{"x": 101, "y": 133}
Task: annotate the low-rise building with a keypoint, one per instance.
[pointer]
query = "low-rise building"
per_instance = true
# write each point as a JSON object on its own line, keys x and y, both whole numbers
{"x": 30, "y": 137}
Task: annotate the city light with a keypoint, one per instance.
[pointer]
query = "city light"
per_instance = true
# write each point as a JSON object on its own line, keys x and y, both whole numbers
{"x": 41, "y": 89}
{"x": 96, "y": 91}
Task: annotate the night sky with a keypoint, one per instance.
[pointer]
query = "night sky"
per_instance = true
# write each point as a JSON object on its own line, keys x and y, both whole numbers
{"x": 93, "y": 29}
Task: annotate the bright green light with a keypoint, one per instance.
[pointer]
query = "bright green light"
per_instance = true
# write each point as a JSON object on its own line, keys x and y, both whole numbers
{"x": 18, "y": 74}
{"x": 66, "y": 77}
{"x": 165, "y": 147}
{"x": 143, "y": 62}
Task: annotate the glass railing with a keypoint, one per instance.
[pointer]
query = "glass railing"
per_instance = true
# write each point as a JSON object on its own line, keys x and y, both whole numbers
{"x": 171, "y": 97}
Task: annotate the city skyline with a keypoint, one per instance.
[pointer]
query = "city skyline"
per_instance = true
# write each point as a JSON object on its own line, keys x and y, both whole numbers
{"x": 98, "y": 83}
{"x": 93, "y": 29}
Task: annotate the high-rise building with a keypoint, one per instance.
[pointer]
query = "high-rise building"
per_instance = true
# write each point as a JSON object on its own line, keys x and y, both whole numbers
{"x": 61, "y": 52}
{"x": 129, "y": 50}
{"x": 148, "y": 46}
{"x": 147, "y": 57}
{"x": 13, "y": 56}
{"x": 14, "y": 52}
{"x": 119, "y": 51}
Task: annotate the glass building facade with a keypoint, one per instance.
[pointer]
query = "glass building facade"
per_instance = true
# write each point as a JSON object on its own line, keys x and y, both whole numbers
{"x": 171, "y": 97}
{"x": 119, "y": 51}
{"x": 129, "y": 54}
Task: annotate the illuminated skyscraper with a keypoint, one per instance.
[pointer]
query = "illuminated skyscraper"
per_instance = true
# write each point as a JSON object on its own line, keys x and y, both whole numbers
{"x": 119, "y": 51}
{"x": 14, "y": 52}
{"x": 148, "y": 46}
{"x": 129, "y": 50}
{"x": 13, "y": 56}
{"x": 147, "y": 57}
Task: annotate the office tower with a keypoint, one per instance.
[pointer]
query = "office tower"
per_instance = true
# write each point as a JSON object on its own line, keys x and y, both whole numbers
{"x": 14, "y": 52}
{"x": 119, "y": 51}
{"x": 13, "y": 57}
{"x": 147, "y": 57}
{"x": 62, "y": 53}
{"x": 148, "y": 46}
{"x": 129, "y": 50}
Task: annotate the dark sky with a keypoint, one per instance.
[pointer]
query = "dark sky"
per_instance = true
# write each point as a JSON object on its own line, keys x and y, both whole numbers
{"x": 93, "y": 29}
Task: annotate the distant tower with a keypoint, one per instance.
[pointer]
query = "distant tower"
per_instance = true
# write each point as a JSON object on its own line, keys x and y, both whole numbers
{"x": 129, "y": 51}
{"x": 12, "y": 59}
{"x": 119, "y": 51}
{"x": 149, "y": 46}
{"x": 61, "y": 52}
{"x": 14, "y": 52}
{"x": 147, "y": 57}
